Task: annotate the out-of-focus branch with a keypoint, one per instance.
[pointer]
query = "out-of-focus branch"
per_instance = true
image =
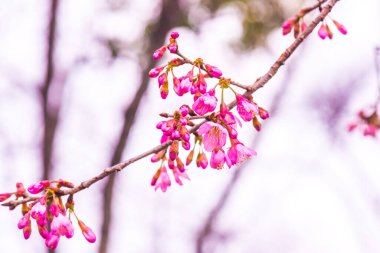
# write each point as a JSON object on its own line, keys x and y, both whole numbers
{"x": 50, "y": 113}
{"x": 260, "y": 82}
{"x": 170, "y": 16}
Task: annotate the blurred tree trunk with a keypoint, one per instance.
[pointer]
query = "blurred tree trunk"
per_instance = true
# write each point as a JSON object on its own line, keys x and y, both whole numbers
{"x": 171, "y": 16}
{"x": 49, "y": 108}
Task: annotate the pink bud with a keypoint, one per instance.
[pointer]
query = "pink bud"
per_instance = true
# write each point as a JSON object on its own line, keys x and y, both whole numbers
{"x": 38, "y": 187}
{"x": 174, "y": 35}
{"x": 155, "y": 72}
{"x": 24, "y": 221}
{"x": 184, "y": 110}
{"x": 173, "y": 47}
{"x": 213, "y": 71}
{"x": 5, "y": 196}
{"x": 87, "y": 232}
{"x": 322, "y": 32}
{"x": 287, "y": 25}
{"x": 159, "y": 53}
{"x": 264, "y": 114}
{"x": 340, "y": 27}
{"x": 52, "y": 241}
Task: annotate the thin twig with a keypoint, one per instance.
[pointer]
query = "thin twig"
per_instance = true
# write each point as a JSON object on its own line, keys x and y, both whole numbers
{"x": 260, "y": 82}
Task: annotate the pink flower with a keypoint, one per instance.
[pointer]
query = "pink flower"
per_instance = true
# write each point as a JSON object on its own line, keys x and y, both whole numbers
{"x": 182, "y": 85}
{"x": 202, "y": 160}
{"x": 246, "y": 108}
{"x": 340, "y": 27}
{"x": 159, "y": 53}
{"x": 5, "y": 196}
{"x": 238, "y": 153}
{"x": 322, "y": 32}
{"x": 61, "y": 225}
{"x": 214, "y": 135}
{"x": 178, "y": 175}
{"x": 52, "y": 241}
{"x": 218, "y": 158}
{"x": 205, "y": 103}
{"x": 38, "y": 187}
{"x": 213, "y": 71}
{"x": 87, "y": 232}
{"x": 161, "y": 179}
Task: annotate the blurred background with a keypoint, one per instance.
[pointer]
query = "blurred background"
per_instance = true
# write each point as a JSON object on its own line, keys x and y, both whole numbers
{"x": 75, "y": 98}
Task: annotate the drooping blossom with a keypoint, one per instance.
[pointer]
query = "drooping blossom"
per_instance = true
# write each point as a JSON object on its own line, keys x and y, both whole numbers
{"x": 205, "y": 103}
{"x": 87, "y": 232}
{"x": 238, "y": 152}
{"x": 246, "y": 109}
{"x": 202, "y": 161}
{"x": 62, "y": 226}
{"x": 52, "y": 241}
{"x": 214, "y": 135}
{"x": 340, "y": 27}
{"x": 178, "y": 175}
{"x": 219, "y": 158}
{"x": 161, "y": 179}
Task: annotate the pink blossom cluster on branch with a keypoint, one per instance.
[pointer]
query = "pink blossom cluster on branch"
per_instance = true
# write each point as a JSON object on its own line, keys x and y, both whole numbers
{"x": 43, "y": 201}
{"x": 212, "y": 136}
{"x": 297, "y": 24}
{"x": 52, "y": 217}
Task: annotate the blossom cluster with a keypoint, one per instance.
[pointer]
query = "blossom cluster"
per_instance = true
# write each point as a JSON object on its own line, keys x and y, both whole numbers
{"x": 52, "y": 217}
{"x": 297, "y": 24}
{"x": 210, "y": 136}
{"x": 369, "y": 123}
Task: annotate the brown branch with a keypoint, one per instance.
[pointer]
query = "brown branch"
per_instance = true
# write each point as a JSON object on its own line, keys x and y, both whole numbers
{"x": 50, "y": 114}
{"x": 169, "y": 16}
{"x": 258, "y": 84}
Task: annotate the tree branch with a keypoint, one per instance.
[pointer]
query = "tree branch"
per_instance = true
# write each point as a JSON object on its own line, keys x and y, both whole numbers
{"x": 260, "y": 82}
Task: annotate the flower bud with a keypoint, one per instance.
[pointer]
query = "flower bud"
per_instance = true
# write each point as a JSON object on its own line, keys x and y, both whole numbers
{"x": 189, "y": 157}
{"x": 38, "y": 187}
{"x": 5, "y": 196}
{"x": 174, "y": 35}
{"x": 155, "y": 72}
{"x": 213, "y": 71}
{"x": 159, "y": 53}
{"x": 256, "y": 123}
{"x": 264, "y": 114}
{"x": 87, "y": 232}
